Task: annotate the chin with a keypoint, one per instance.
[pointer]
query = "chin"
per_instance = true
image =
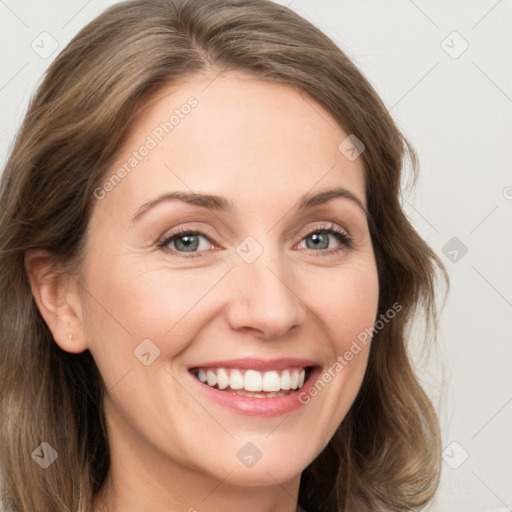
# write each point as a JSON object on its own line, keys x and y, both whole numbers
{"x": 249, "y": 466}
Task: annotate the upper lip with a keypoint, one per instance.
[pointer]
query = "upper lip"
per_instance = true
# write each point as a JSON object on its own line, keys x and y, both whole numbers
{"x": 250, "y": 363}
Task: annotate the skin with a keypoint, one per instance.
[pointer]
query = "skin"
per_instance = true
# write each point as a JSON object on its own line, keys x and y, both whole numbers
{"x": 262, "y": 146}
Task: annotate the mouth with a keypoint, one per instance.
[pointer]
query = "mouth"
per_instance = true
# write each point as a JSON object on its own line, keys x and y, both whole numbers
{"x": 255, "y": 386}
{"x": 253, "y": 383}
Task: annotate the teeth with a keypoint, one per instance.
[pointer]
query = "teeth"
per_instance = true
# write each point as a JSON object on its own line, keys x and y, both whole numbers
{"x": 222, "y": 378}
{"x": 253, "y": 381}
{"x": 286, "y": 382}
{"x": 211, "y": 378}
{"x": 271, "y": 382}
{"x": 236, "y": 380}
{"x": 294, "y": 380}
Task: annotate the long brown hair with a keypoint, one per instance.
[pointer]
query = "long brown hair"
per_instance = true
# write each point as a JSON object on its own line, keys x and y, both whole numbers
{"x": 385, "y": 456}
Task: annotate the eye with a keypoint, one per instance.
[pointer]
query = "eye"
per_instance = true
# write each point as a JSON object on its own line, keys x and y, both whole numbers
{"x": 186, "y": 241}
{"x": 321, "y": 239}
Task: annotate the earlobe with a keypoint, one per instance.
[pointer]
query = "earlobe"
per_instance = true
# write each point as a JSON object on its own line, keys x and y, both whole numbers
{"x": 57, "y": 299}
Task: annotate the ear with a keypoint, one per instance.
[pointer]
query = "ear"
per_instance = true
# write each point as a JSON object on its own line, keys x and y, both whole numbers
{"x": 57, "y": 298}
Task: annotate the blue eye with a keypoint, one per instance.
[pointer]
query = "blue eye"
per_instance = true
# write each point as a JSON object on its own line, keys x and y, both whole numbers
{"x": 320, "y": 239}
{"x": 186, "y": 241}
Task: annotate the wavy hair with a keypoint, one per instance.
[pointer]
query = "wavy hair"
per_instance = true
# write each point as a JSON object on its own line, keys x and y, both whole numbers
{"x": 385, "y": 456}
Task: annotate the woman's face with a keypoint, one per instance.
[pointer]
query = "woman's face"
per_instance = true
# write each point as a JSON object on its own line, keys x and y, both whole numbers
{"x": 255, "y": 277}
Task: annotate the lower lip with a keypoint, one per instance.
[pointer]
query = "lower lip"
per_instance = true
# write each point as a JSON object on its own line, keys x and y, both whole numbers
{"x": 269, "y": 407}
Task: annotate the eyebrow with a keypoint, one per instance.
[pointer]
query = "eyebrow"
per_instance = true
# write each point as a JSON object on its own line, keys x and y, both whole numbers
{"x": 222, "y": 204}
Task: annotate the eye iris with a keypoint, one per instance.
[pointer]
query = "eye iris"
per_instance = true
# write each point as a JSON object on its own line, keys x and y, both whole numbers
{"x": 320, "y": 241}
{"x": 187, "y": 243}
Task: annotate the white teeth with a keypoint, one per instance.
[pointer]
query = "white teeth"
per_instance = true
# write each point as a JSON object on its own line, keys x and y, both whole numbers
{"x": 222, "y": 378}
{"x": 253, "y": 381}
{"x": 236, "y": 380}
{"x": 211, "y": 378}
{"x": 286, "y": 380}
{"x": 270, "y": 382}
{"x": 294, "y": 381}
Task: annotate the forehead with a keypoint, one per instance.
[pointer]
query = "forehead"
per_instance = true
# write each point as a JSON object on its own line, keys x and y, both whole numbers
{"x": 257, "y": 142}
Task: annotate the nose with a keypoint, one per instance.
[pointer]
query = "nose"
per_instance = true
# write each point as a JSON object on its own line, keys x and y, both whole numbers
{"x": 265, "y": 300}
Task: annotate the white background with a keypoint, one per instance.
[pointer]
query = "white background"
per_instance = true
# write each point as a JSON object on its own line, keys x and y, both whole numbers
{"x": 457, "y": 112}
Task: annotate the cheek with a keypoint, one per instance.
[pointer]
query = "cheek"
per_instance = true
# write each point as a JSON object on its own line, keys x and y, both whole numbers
{"x": 130, "y": 302}
{"x": 347, "y": 302}
{"x": 346, "y": 309}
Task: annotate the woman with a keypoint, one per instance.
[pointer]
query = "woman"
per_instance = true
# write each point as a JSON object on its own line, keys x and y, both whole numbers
{"x": 207, "y": 275}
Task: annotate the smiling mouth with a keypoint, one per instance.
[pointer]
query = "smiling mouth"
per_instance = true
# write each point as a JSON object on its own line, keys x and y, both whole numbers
{"x": 252, "y": 383}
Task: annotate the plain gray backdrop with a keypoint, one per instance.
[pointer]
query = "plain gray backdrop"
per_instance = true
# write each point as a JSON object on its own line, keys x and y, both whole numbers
{"x": 443, "y": 70}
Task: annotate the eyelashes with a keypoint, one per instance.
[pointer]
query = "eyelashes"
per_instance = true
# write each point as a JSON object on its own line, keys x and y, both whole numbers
{"x": 187, "y": 241}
